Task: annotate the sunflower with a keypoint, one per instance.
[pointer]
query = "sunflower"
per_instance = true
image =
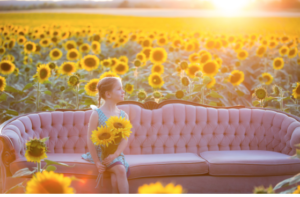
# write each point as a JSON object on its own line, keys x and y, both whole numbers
{"x": 272, "y": 44}
{"x": 158, "y": 55}
{"x": 236, "y": 77}
{"x": 261, "y": 50}
{"x": 90, "y": 62}
{"x": 162, "y": 40}
{"x": 210, "y": 68}
{"x": 183, "y": 65}
{"x": 204, "y": 57}
{"x": 267, "y": 78}
{"x": 70, "y": 44}
{"x": 106, "y": 63}
{"x": 284, "y": 50}
{"x": 91, "y": 87}
{"x": 157, "y": 68}
{"x": 147, "y": 43}
{"x": 242, "y": 54}
{"x": 157, "y": 94}
{"x": 68, "y": 68}
{"x": 185, "y": 81}
{"x": 177, "y": 42}
{"x": 119, "y": 125}
{"x": 158, "y": 188}
{"x": 142, "y": 95}
{"x": 141, "y": 56}
{"x": 2, "y": 83}
{"x": 120, "y": 68}
{"x": 147, "y": 52}
{"x": 155, "y": 80}
{"x": 219, "y": 61}
{"x": 194, "y": 58}
{"x": 96, "y": 47}
{"x": 73, "y": 54}
{"x": 55, "y": 54}
{"x": 293, "y": 52}
{"x": 138, "y": 63}
{"x": 123, "y": 59}
{"x": 211, "y": 83}
{"x": 6, "y": 67}
{"x": 103, "y": 136}
{"x": 260, "y": 93}
{"x": 296, "y": 91}
{"x": 278, "y": 63}
{"x": 129, "y": 88}
{"x": 210, "y": 44}
{"x": 2, "y": 50}
{"x": 73, "y": 80}
{"x": 192, "y": 69}
{"x": 109, "y": 74}
{"x": 297, "y": 190}
{"x": 43, "y": 73}
{"x": 35, "y": 150}
{"x": 84, "y": 48}
{"x": 21, "y": 40}
{"x": 179, "y": 94}
{"x": 45, "y": 42}
{"x": 29, "y": 47}
{"x": 49, "y": 183}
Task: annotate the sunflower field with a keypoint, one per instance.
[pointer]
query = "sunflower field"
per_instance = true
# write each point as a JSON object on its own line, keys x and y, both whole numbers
{"x": 50, "y": 61}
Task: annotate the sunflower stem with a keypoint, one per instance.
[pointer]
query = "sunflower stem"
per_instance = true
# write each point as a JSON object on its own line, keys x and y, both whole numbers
{"x": 37, "y": 96}
{"x": 39, "y": 166}
{"x": 202, "y": 94}
{"x": 77, "y": 99}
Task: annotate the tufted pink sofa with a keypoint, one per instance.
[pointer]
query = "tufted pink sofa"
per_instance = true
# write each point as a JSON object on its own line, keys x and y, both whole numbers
{"x": 205, "y": 149}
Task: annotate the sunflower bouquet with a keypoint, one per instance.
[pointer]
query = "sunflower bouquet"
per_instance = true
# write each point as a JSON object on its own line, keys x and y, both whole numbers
{"x": 108, "y": 137}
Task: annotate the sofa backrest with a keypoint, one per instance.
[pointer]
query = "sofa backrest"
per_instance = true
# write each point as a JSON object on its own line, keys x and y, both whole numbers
{"x": 173, "y": 128}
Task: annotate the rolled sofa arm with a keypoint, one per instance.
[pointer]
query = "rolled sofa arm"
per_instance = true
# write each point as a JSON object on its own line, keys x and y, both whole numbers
{"x": 295, "y": 138}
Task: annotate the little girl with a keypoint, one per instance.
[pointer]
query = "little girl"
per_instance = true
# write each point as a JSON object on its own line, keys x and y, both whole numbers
{"x": 111, "y": 90}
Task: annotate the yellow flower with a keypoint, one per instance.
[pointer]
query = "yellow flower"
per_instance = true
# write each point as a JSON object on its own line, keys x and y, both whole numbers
{"x": 109, "y": 74}
{"x": 2, "y": 83}
{"x": 68, "y": 68}
{"x": 155, "y": 80}
{"x": 6, "y": 67}
{"x": 2, "y": 50}
{"x": 284, "y": 50}
{"x": 297, "y": 191}
{"x": 70, "y": 44}
{"x": 293, "y": 52}
{"x": 35, "y": 150}
{"x": 96, "y": 47}
{"x": 141, "y": 56}
{"x": 260, "y": 93}
{"x": 296, "y": 91}
{"x": 123, "y": 59}
{"x": 84, "y": 48}
{"x": 236, "y": 77}
{"x": 211, "y": 83}
{"x": 204, "y": 57}
{"x": 162, "y": 40}
{"x": 91, "y": 87}
{"x": 272, "y": 44}
{"x": 45, "y": 42}
{"x": 242, "y": 54}
{"x": 210, "y": 68}
{"x": 158, "y": 68}
{"x": 147, "y": 51}
{"x": 55, "y": 54}
{"x": 120, "y": 68}
{"x": 210, "y": 44}
{"x": 261, "y": 50}
{"x": 129, "y": 88}
{"x": 119, "y": 125}
{"x": 43, "y": 73}
{"x": 73, "y": 54}
{"x": 194, "y": 58}
{"x": 49, "y": 183}
{"x": 278, "y": 63}
{"x": 90, "y": 62}
{"x": 192, "y": 69}
{"x": 158, "y": 55}
{"x": 158, "y": 188}
{"x": 103, "y": 136}
{"x": 267, "y": 78}
{"x": 21, "y": 40}
{"x": 29, "y": 47}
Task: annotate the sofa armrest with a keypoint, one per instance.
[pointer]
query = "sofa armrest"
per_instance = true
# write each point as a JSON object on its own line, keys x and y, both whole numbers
{"x": 295, "y": 139}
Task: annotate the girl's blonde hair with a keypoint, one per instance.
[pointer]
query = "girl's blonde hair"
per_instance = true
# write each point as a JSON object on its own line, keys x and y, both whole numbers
{"x": 106, "y": 84}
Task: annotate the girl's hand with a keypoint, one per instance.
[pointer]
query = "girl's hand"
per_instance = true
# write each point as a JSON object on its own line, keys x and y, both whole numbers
{"x": 101, "y": 168}
{"x": 108, "y": 159}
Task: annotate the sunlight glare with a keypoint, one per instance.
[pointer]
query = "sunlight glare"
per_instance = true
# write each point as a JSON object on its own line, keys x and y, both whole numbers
{"x": 230, "y": 5}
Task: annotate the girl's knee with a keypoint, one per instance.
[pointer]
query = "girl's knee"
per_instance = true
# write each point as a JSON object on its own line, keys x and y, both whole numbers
{"x": 120, "y": 169}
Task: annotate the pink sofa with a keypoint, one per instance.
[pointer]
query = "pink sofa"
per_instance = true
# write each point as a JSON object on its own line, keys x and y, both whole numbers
{"x": 205, "y": 149}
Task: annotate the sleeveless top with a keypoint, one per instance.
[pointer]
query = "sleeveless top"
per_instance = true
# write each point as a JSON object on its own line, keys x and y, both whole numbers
{"x": 118, "y": 160}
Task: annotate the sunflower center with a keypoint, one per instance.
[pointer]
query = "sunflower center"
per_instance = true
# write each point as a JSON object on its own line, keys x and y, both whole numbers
{"x": 55, "y": 53}
{"x": 104, "y": 136}
{"x": 146, "y": 43}
{"x": 193, "y": 70}
{"x": 36, "y": 152}
{"x": 1, "y": 50}
{"x": 283, "y": 51}
{"x": 158, "y": 55}
{"x": 50, "y": 186}
{"x": 45, "y": 42}
{"x": 70, "y": 46}
{"x": 204, "y": 58}
{"x": 67, "y": 67}
{"x": 105, "y": 63}
{"x": 1, "y": 83}
{"x": 73, "y": 54}
{"x": 5, "y": 66}
{"x": 29, "y": 47}
{"x": 278, "y": 63}
{"x": 157, "y": 69}
{"x": 177, "y": 43}
{"x": 292, "y": 52}
{"x": 43, "y": 73}
{"x": 90, "y": 62}
{"x": 118, "y": 125}
{"x": 147, "y": 52}
{"x": 84, "y": 48}
{"x": 156, "y": 80}
{"x": 209, "y": 68}
{"x": 210, "y": 44}
{"x": 298, "y": 90}
{"x": 120, "y": 68}
{"x": 235, "y": 77}
{"x": 162, "y": 40}
{"x": 54, "y": 39}
{"x": 94, "y": 46}
{"x": 96, "y": 37}
{"x": 129, "y": 88}
{"x": 242, "y": 54}
{"x": 261, "y": 50}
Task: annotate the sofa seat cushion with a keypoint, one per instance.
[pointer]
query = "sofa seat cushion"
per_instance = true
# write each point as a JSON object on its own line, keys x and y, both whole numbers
{"x": 250, "y": 162}
{"x": 174, "y": 164}
{"x": 148, "y": 165}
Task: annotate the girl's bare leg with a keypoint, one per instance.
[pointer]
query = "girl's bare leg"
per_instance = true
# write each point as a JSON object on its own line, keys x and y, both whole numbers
{"x": 122, "y": 181}
{"x": 114, "y": 183}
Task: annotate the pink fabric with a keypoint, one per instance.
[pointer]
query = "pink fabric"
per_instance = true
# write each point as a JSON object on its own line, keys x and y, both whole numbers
{"x": 174, "y": 128}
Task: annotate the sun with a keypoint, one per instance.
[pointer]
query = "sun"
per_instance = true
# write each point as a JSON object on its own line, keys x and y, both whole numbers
{"x": 230, "y": 5}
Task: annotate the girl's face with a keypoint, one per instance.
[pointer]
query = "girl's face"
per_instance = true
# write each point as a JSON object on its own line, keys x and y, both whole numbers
{"x": 117, "y": 93}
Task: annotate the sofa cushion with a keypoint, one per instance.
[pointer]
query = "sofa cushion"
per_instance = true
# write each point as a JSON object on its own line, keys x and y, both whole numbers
{"x": 250, "y": 162}
{"x": 174, "y": 164}
{"x": 140, "y": 165}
